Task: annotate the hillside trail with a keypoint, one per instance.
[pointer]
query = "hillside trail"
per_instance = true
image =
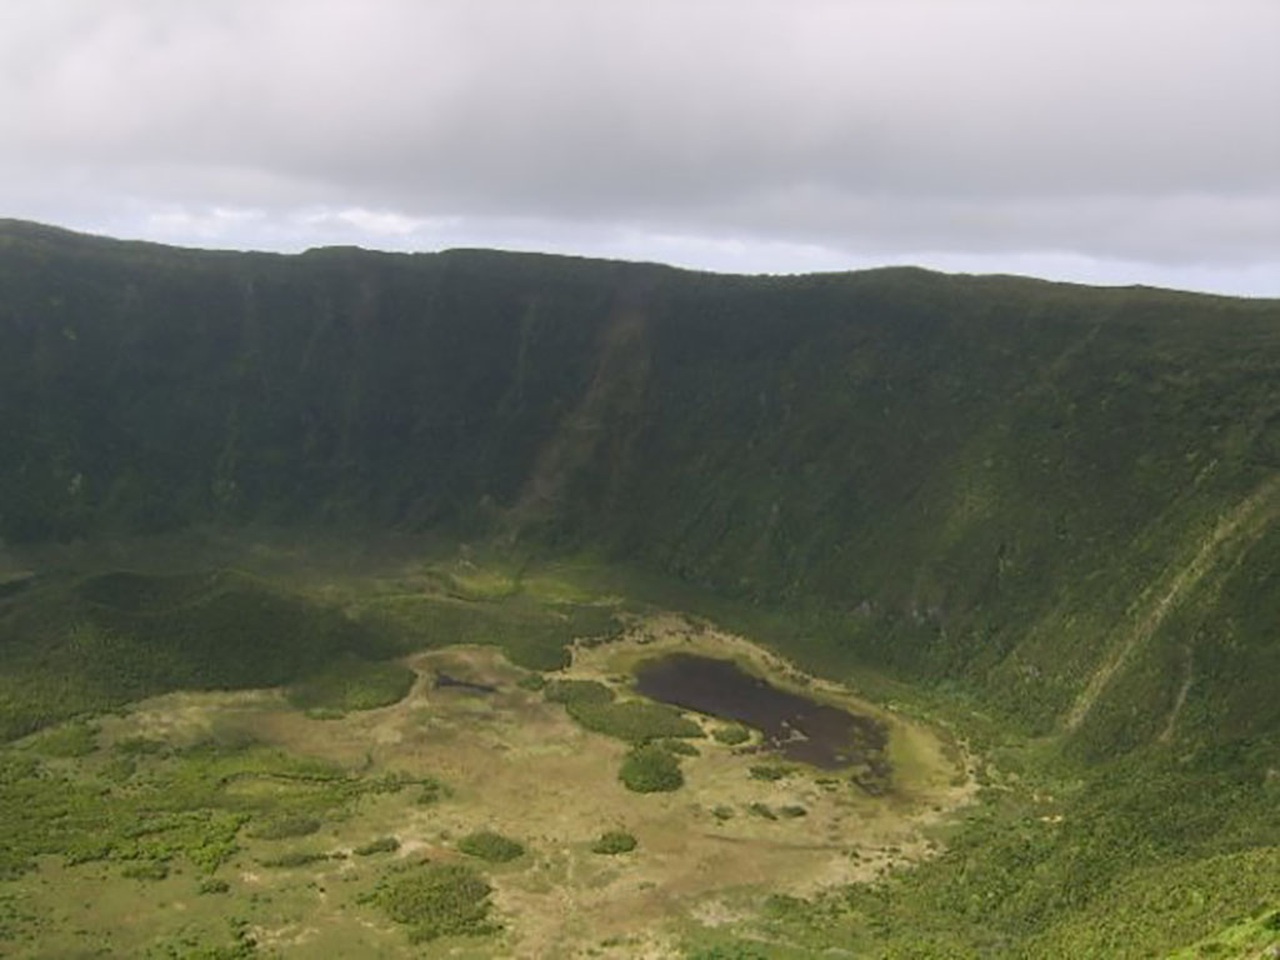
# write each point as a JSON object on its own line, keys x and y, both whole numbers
{"x": 1235, "y": 531}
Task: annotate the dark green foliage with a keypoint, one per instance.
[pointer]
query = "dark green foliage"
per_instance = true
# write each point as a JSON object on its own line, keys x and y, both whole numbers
{"x": 146, "y": 870}
{"x": 380, "y": 845}
{"x": 212, "y": 885}
{"x": 963, "y": 480}
{"x": 987, "y": 487}
{"x": 293, "y": 859}
{"x": 613, "y": 842}
{"x": 737, "y": 951}
{"x": 769, "y": 771}
{"x": 650, "y": 769}
{"x": 636, "y": 721}
{"x": 732, "y": 736}
{"x": 531, "y": 634}
{"x": 532, "y": 682}
{"x": 350, "y": 684}
{"x": 181, "y": 805}
{"x": 285, "y": 828}
{"x": 578, "y": 692}
{"x": 490, "y": 846}
{"x": 430, "y": 791}
{"x": 680, "y": 748}
{"x": 436, "y": 900}
{"x": 87, "y": 645}
{"x": 69, "y": 740}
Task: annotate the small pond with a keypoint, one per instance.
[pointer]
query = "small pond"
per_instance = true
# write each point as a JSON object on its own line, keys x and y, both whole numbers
{"x": 793, "y": 725}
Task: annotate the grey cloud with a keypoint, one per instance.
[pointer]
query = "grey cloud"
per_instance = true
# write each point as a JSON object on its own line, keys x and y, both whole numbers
{"x": 1139, "y": 130}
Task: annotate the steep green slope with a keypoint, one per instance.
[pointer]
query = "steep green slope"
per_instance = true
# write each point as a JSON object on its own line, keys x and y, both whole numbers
{"x": 1062, "y": 498}
{"x": 1053, "y": 505}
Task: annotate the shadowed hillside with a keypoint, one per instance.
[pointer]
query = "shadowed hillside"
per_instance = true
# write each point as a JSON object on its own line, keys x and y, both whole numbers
{"x": 1045, "y": 514}
{"x": 1055, "y": 494}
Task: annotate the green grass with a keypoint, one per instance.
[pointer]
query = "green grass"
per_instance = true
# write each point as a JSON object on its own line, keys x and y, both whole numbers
{"x": 67, "y": 741}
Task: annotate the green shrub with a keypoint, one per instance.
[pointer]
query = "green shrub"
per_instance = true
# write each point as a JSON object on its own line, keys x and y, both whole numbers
{"x": 437, "y": 900}
{"x": 737, "y": 951}
{"x": 762, "y": 810}
{"x": 636, "y": 721}
{"x": 614, "y": 842}
{"x": 212, "y": 885}
{"x": 351, "y": 684}
{"x": 381, "y": 845}
{"x": 578, "y": 691}
{"x": 770, "y": 771}
{"x": 432, "y": 792}
{"x": 731, "y": 736}
{"x": 650, "y": 769}
{"x": 532, "y": 681}
{"x": 680, "y": 748}
{"x": 294, "y": 858}
{"x": 489, "y": 846}
{"x": 285, "y": 828}
{"x": 146, "y": 870}
{"x": 78, "y": 739}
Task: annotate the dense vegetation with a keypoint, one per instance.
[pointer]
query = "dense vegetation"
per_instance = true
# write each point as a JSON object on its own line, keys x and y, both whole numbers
{"x": 437, "y": 900}
{"x": 1050, "y": 511}
{"x": 491, "y": 846}
{"x": 650, "y": 768}
{"x": 613, "y": 842}
{"x": 78, "y": 645}
{"x": 350, "y": 684}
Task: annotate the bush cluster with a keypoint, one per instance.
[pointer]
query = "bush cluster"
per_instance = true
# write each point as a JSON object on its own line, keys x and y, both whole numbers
{"x": 613, "y": 842}
{"x": 437, "y": 900}
{"x": 650, "y": 769}
{"x": 636, "y": 721}
{"x": 577, "y": 692}
{"x": 490, "y": 846}
{"x": 731, "y": 736}
{"x": 285, "y": 828}
{"x": 380, "y": 845}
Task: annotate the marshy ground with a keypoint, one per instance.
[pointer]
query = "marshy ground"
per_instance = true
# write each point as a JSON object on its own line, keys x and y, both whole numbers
{"x": 744, "y": 827}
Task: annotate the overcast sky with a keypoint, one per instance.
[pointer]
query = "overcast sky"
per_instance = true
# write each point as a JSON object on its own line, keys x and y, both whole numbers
{"x": 1111, "y": 141}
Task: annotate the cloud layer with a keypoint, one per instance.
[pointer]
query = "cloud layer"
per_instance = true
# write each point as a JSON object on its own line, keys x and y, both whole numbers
{"x": 1129, "y": 135}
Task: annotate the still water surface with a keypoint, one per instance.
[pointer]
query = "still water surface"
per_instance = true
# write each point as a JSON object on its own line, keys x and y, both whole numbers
{"x": 795, "y": 726}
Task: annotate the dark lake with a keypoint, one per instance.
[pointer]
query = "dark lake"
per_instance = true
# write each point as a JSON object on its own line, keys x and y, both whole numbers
{"x": 793, "y": 725}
